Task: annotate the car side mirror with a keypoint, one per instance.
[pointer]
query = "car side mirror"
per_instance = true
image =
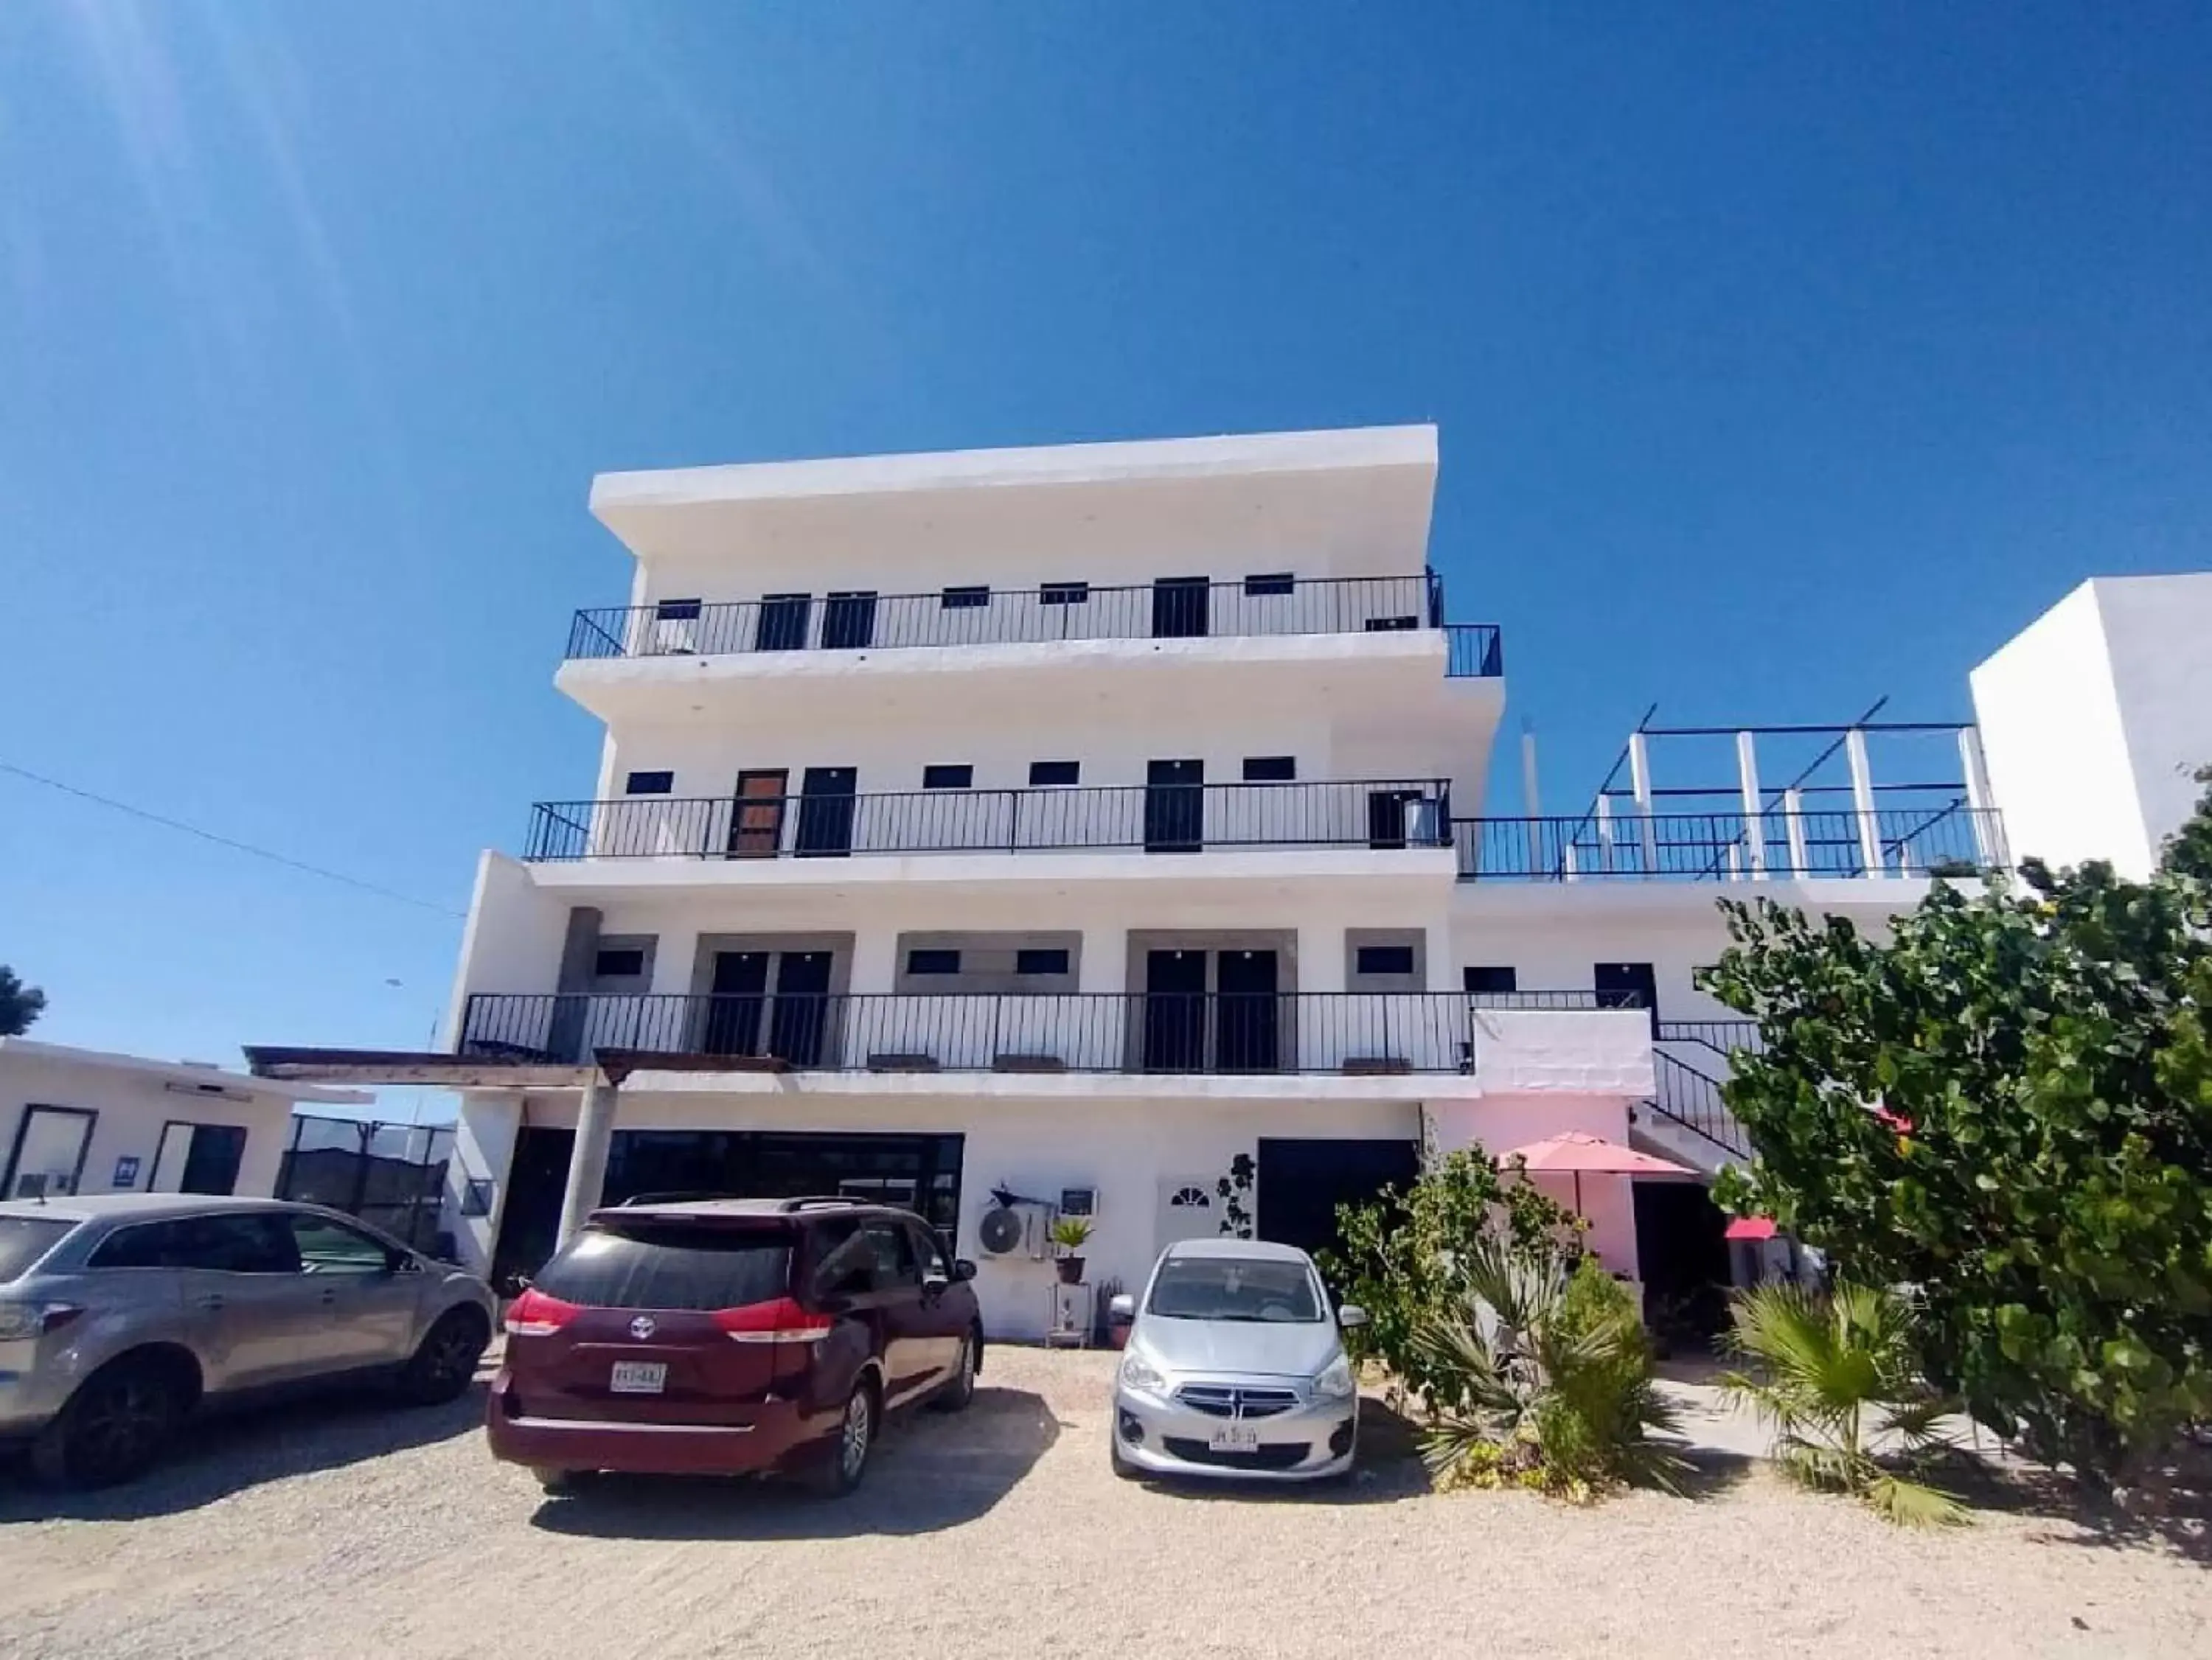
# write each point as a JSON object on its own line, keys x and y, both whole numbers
{"x": 1121, "y": 1310}
{"x": 963, "y": 1269}
{"x": 1351, "y": 1316}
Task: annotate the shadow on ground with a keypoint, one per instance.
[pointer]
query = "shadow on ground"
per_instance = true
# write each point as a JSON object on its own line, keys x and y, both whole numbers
{"x": 2176, "y": 1515}
{"x": 930, "y": 1471}
{"x": 216, "y": 1455}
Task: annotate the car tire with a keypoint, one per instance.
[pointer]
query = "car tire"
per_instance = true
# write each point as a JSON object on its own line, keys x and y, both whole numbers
{"x": 562, "y": 1483}
{"x": 1122, "y": 1467}
{"x": 960, "y": 1389}
{"x": 444, "y": 1363}
{"x": 116, "y": 1426}
{"x": 845, "y": 1460}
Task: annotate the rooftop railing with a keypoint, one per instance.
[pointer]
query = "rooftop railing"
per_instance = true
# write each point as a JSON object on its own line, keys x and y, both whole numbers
{"x": 1165, "y": 818}
{"x": 1952, "y": 839}
{"x": 1175, "y": 608}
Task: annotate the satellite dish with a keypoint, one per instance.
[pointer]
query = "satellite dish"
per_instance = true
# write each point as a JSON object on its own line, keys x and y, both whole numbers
{"x": 1001, "y": 1230}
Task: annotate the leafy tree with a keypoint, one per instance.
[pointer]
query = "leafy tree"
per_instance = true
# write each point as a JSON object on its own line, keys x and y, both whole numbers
{"x": 20, "y": 1004}
{"x": 1406, "y": 1258}
{"x": 2009, "y": 1105}
{"x": 1832, "y": 1373}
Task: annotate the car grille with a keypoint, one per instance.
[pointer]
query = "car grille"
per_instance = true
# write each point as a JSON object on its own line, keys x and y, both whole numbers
{"x": 1272, "y": 1454}
{"x": 1236, "y": 1400}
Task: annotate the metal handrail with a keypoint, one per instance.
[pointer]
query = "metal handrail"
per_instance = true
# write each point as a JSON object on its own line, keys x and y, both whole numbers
{"x": 1376, "y": 813}
{"x": 1720, "y": 846}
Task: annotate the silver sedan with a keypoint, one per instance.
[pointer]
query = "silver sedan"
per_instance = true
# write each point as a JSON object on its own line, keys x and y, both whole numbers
{"x": 1234, "y": 1367}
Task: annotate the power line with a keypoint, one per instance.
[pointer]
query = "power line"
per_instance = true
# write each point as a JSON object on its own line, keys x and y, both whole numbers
{"x": 274, "y": 857}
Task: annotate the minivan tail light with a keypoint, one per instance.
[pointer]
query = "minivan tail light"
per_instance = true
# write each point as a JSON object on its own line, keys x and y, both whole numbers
{"x": 536, "y": 1315}
{"x": 783, "y": 1321}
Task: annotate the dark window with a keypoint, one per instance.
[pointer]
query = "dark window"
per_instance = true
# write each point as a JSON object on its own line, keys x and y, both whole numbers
{"x": 929, "y": 1252}
{"x": 1039, "y": 961}
{"x": 647, "y": 1265}
{"x": 624, "y": 963}
{"x": 24, "y": 1239}
{"x": 1391, "y": 625}
{"x": 966, "y": 599}
{"x": 894, "y": 1265}
{"x": 1269, "y": 583}
{"x": 1064, "y": 593}
{"x": 329, "y": 1247}
{"x": 650, "y": 784}
{"x": 251, "y": 1244}
{"x": 1054, "y": 771}
{"x": 854, "y": 1258}
{"x": 1270, "y": 769}
{"x": 1385, "y": 960}
{"x": 676, "y": 610}
{"x": 947, "y": 778}
{"x": 933, "y": 962}
{"x": 1490, "y": 980}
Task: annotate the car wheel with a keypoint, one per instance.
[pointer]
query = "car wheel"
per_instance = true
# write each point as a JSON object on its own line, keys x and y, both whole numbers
{"x": 1122, "y": 1467}
{"x": 558, "y": 1483}
{"x": 846, "y": 1459}
{"x": 960, "y": 1389}
{"x": 445, "y": 1361}
{"x": 114, "y": 1427}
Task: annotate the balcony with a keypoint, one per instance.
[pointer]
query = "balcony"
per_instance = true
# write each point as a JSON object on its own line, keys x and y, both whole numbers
{"x": 1170, "y": 609}
{"x": 1162, "y": 818}
{"x": 1941, "y": 840}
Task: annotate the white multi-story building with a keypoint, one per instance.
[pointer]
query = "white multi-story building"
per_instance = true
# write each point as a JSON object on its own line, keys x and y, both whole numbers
{"x": 1101, "y": 829}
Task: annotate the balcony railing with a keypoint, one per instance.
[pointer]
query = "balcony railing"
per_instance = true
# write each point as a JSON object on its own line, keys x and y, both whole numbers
{"x": 1162, "y": 818}
{"x": 1473, "y": 651}
{"x": 1953, "y": 840}
{"x": 1350, "y": 1033}
{"x": 1172, "y": 608}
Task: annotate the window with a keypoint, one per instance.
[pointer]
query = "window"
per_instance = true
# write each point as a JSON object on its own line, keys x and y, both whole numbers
{"x": 1270, "y": 769}
{"x": 966, "y": 599}
{"x": 329, "y": 1247}
{"x": 1488, "y": 980}
{"x": 947, "y": 778}
{"x": 669, "y": 1266}
{"x": 933, "y": 962}
{"x": 1268, "y": 585}
{"x": 1064, "y": 593}
{"x": 1234, "y": 1288}
{"x": 256, "y": 1243}
{"x": 1039, "y": 961}
{"x": 853, "y": 1258}
{"x": 624, "y": 963}
{"x": 892, "y": 1266}
{"x": 1391, "y": 625}
{"x": 1385, "y": 960}
{"x": 1044, "y": 772}
{"x": 930, "y": 1254}
{"x": 676, "y": 610}
{"x": 650, "y": 784}
{"x": 24, "y": 1239}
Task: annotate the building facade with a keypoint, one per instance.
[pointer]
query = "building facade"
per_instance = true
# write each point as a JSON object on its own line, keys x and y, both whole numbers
{"x": 1101, "y": 829}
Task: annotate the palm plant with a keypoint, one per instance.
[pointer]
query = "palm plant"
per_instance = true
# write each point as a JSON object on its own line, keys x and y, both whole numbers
{"x": 1548, "y": 1371}
{"x": 1832, "y": 1375}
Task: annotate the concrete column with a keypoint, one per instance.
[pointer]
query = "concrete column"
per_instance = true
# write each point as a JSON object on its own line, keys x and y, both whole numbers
{"x": 1989, "y": 845}
{"x": 1862, "y": 802}
{"x": 1639, "y": 780}
{"x": 1754, "y": 824}
{"x": 1605, "y": 834}
{"x": 1793, "y": 816}
{"x": 587, "y": 1164}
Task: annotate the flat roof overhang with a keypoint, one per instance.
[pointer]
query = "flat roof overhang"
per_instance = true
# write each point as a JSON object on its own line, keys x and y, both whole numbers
{"x": 434, "y": 1067}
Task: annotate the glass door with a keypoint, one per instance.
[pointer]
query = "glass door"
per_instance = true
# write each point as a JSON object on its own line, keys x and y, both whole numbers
{"x": 48, "y": 1156}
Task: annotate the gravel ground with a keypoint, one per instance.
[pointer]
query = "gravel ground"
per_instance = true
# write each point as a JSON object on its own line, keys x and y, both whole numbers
{"x": 356, "y": 1529}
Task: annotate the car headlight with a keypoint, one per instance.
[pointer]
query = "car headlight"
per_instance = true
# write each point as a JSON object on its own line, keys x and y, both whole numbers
{"x": 1140, "y": 1374}
{"x": 1336, "y": 1382}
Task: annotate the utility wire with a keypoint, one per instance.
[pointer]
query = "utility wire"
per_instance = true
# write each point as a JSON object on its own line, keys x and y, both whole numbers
{"x": 226, "y": 841}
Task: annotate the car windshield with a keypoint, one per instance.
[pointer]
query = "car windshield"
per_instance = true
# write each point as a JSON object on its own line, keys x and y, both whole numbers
{"x": 24, "y": 1239}
{"x": 670, "y": 1266}
{"x": 1233, "y": 1288}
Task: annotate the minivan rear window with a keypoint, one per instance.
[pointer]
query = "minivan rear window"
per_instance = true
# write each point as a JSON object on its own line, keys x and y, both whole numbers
{"x": 670, "y": 1266}
{"x": 24, "y": 1239}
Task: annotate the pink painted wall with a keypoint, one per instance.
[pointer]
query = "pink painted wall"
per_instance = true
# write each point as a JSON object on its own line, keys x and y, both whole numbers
{"x": 1502, "y": 1123}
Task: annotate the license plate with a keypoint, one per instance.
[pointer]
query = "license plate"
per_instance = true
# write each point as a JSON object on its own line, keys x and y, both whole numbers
{"x": 639, "y": 1377}
{"x": 1234, "y": 1438}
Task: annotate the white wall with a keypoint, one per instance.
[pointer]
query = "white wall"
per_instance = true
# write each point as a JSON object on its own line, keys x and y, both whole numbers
{"x": 2158, "y": 631}
{"x": 132, "y": 1108}
{"x": 512, "y": 941}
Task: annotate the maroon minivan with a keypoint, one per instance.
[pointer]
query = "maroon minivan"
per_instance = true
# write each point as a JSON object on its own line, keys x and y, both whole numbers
{"x": 732, "y": 1336}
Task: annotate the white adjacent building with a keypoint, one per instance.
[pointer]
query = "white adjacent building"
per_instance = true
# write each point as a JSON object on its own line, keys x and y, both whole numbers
{"x": 1096, "y": 828}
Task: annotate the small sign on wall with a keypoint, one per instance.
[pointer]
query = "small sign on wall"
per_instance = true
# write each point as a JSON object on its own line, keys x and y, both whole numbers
{"x": 126, "y": 1172}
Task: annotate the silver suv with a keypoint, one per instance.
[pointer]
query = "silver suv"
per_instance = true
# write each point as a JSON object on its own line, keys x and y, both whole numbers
{"x": 121, "y": 1313}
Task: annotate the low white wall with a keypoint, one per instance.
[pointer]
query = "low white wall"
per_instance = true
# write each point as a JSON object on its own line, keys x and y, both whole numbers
{"x": 132, "y": 1109}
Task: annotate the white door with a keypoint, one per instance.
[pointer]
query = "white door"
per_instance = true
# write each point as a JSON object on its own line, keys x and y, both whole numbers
{"x": 1187, "y": 1210}
{"x": 50, "y": 1149}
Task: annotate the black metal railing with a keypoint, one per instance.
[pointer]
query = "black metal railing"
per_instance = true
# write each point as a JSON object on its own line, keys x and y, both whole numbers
{"x": 1473, "y": 651}
{"x": 1165, "y": 818}
{"x": 1171, "y": 609}
{"x": 390, "y": 1174}
{"x": 1952, "y": 841}
{"x": 1692, "y": 1098}
{"x": 1341, "y": 1032}
{"x": 1722, "y": 1038}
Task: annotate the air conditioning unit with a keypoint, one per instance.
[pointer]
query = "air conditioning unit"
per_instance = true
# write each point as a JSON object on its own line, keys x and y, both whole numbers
{"x": 1001, "y": 1232}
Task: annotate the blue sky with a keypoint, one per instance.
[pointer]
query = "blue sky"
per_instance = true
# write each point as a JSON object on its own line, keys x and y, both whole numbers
{"x": 1783, "y": 359}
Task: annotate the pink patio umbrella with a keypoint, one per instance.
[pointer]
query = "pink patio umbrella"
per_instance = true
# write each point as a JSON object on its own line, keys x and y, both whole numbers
{"x": 1750, "y": 1228}
{"x": 1572, "y": 1152}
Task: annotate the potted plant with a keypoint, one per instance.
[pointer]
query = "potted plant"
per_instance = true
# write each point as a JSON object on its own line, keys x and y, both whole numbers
{"x": 1069, "y": 1233}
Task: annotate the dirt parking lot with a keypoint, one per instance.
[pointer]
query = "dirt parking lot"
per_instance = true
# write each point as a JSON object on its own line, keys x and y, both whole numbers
{"x": 353, "y": 1530}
